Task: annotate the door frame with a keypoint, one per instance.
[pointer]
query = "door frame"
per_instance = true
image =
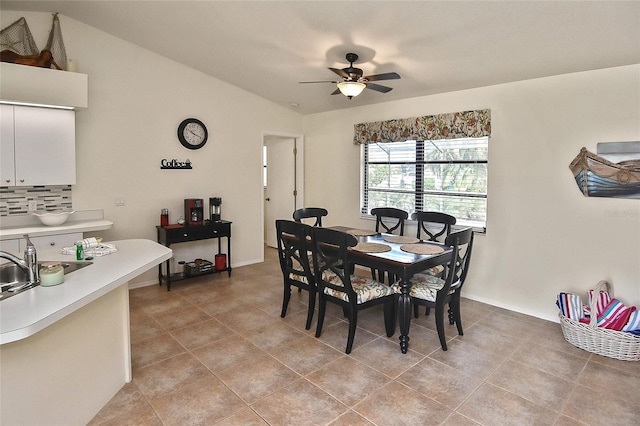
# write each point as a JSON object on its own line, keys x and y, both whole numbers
{"x": 299, "y": 172}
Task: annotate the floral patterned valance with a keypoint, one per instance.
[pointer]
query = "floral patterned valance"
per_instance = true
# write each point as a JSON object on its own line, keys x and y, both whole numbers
{"x": 466, "y": 124}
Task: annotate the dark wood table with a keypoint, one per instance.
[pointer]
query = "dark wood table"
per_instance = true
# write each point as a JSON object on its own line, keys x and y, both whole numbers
{"x": 401, "y": 264}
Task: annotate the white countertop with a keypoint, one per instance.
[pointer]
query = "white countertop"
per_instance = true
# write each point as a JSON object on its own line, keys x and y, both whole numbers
{"x": 25, "y": 314}
{"x": 80, "y": 221}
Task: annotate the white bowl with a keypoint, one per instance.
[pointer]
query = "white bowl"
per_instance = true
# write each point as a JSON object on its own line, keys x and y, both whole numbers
{"x": 53, "y": 218}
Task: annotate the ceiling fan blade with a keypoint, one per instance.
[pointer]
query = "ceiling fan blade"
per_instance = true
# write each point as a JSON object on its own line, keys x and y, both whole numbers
{"x": 340, "y": 72}
{"x": 336, "y": 92}
{"x": 321, "y": 81}
{"x": 378, "y": 88}
{"x": 385, "y": 76}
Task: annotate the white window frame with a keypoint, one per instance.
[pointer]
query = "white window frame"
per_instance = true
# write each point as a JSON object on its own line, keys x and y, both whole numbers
{"x": 420, "y": 195}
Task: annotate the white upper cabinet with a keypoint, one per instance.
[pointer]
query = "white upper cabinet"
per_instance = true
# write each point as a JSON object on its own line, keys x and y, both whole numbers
{"x": 7, "y": 151}
{"x": 44, "y": 147}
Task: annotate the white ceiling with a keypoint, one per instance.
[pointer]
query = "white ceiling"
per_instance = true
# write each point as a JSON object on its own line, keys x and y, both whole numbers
{"x": 267, "y": 47}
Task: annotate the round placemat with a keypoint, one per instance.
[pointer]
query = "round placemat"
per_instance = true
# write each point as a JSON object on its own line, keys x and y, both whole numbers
{"x": 361, "y": 232}
{"x": 371, "y": 247}
{"x": 400, "y": 239}
{"x": 421, "y": 248}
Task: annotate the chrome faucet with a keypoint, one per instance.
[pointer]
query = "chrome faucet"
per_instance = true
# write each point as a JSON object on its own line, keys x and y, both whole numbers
{"x": 29, "y": 264}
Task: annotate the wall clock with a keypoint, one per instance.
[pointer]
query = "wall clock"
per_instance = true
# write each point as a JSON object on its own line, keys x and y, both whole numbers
{"x": 192, "y": 133}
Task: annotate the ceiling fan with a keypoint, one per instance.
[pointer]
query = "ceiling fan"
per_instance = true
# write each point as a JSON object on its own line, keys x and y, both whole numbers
{"x": 353, "y": 82}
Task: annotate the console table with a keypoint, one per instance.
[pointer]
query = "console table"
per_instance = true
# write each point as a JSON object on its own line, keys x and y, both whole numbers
{"x": 172, "y": 234}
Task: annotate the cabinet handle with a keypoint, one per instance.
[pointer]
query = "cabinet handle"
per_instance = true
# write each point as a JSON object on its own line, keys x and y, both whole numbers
{"x": 52, "y": 243}
{"x": 185, "y": 235}
{"x": 21, "y": 180}
{"x": 8, "y": 180}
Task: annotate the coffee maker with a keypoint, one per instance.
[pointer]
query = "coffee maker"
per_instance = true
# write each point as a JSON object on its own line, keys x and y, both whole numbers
{"x": 215, "y": 209}
{"x": 194, "y": 211}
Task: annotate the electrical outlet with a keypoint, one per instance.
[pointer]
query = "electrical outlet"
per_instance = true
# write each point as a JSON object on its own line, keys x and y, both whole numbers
{"x": 33, "y": 206}
{"x": 120, "y": 201}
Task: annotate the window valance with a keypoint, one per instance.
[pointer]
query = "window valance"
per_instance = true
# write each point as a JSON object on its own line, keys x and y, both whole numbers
{"x": 465, "y": 124}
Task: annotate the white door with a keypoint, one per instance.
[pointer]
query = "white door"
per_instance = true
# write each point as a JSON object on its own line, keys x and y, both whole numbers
{"x": 279, "y": 194}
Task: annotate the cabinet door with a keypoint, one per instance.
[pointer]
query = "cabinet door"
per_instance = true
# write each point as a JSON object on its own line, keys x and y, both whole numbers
{"x": 57, "y": 241}
{"x": 45, "y": 146}
{"x": 7, "y": 153}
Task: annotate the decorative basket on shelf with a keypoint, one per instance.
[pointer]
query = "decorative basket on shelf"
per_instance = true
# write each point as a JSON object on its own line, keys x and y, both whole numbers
{"x": 602, "y": 341}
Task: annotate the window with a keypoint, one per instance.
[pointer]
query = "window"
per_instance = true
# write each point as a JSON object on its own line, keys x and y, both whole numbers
{"x": 446, "y": 175}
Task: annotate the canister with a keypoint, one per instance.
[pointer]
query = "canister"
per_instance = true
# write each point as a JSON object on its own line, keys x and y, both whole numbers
{"x": 51, "y": 273}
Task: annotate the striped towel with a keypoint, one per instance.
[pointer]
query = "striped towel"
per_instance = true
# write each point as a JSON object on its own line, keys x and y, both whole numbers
{"x": 570, "y": 305}
{"x": 633, "y": 325}
{"x": 615, "y": 315}
{"x": 603, "y": 300}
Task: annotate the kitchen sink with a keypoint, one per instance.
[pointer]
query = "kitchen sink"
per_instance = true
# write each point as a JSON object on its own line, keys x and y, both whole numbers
{"x": 13, "y": 276}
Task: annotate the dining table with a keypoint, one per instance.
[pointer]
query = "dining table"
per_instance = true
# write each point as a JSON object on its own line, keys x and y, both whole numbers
{"x": 401, "y": 257}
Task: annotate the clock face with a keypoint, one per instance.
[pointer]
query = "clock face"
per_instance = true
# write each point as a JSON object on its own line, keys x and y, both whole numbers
{"x": 192, "y": 133}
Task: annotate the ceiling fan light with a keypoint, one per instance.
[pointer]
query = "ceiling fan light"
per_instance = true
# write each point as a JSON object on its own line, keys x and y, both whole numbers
{"x": 351, "y": 88}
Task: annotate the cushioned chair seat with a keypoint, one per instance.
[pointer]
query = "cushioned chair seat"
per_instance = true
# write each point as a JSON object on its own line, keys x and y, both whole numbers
{"x": 366, "y": 288}
{"x": 425, "y": 287}
{"x": 436, "y": 271}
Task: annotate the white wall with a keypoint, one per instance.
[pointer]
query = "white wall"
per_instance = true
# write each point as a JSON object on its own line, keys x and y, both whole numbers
{"x": 542, "y": 236}
{"x": 136, "y": 101}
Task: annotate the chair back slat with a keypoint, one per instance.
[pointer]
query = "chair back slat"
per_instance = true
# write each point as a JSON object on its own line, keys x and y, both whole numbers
{"x": 316, "y": 213}
{"x": 462, "y": 243}
{"x": 293, "y": 248}
{"x": 445, "y": 222}
{"x": 330, "y": 257}
{"x": 397, "y": 216}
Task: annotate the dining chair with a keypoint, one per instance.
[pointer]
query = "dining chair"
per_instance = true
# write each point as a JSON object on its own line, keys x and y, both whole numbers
{"x": 337, "y": 285}
{"x": 397, "y": 218}
{"x": 425, "y": 223}
{"x": 442, "y": 221}
{"x": 388, "y": 221}
{"x": 309, "y": 213}
{"x": 293, "y": 248}
{"x": 434, "y": 292}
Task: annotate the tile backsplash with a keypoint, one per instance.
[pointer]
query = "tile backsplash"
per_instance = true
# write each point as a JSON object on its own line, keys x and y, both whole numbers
{"x": 14, "y": 200}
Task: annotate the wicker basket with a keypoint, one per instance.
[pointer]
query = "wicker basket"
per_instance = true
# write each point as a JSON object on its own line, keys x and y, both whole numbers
{"x": 610, "y": 343}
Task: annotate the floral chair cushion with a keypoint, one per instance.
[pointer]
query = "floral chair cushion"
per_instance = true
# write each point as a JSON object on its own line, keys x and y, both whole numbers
{"x": 424, "y": 286}
{"x": 366, "y": 288}
{"x": 436, "y": 271}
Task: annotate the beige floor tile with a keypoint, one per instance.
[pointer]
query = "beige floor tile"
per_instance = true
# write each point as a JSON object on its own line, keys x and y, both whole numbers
{"x": 305, "y": 354}
{"x": 155, "y": 349}
{"x": 299, "y": 403}
{"x": 180, "y": 317}
{"x": 599, "y": 408}
{"x": 384, "y": 355}
{"x": 257, "y": 377}
{"x": 143, "y": 326}
{"x": 395, "y": 404}
{"x": 532, "y": 384}
{"x": 200, "y": 334}
{"x": 229, "y": 352}
{"x": 201, "y": 402}
{"x": 272, "y": 333}
{"x": 127, "y": 403}
{"x": 552, "y": 361}
{"x": 490, "y": 405}
{"x": 244, "y": 417}
{"x": 348, "y": 380}
{"x": 169, "y": 375}
{"x": 446, "y": 385}
{"x": 350, "y": 418}
{"x": 610, "y": 381}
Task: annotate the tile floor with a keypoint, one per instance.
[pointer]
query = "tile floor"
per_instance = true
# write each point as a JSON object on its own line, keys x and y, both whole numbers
{"x": 214, "y": 351}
